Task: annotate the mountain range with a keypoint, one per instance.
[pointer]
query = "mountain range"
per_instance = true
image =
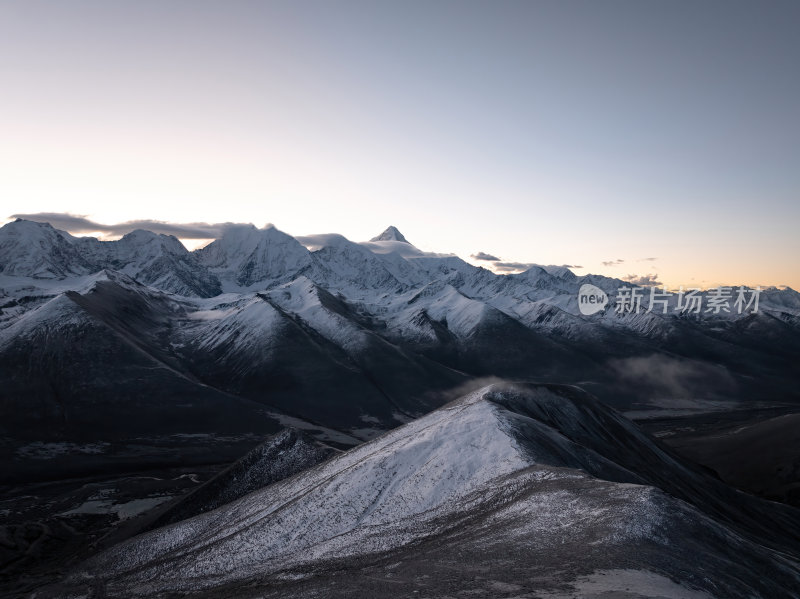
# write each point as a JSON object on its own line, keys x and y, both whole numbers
{"x": 371, "y": 419}
{"x": 266, "y": 321}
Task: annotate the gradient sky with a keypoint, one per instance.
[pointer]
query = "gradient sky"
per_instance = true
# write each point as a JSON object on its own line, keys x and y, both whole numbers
{"x": 549, "y": 132}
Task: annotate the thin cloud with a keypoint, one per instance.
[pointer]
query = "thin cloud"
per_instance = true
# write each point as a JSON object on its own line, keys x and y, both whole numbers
{"x": 643, "y": 280}
{"x": 78, "y": 224}
{"x": 500, "y": 266}
{"x": 647, "y": 260}
{"x": 571, "y": 266}
{"x": 616, "y": 262}
{"x": 512, "y": 266}
{"x": 485, "y": 256}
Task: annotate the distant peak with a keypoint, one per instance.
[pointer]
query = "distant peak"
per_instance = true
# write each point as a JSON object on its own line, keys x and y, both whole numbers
{"x": 21, "y": 226}
{"x": 24, "y": 222}
{"x": 390, "y": 234}
{"x": 140, "y": 234}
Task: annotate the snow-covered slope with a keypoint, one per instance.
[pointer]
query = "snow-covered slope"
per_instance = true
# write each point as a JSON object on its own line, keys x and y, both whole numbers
{"x": 322, "y": 312}
{"x": 245, "y": 256}
{"x": 245, "y": 326}
{"x": 279, "y": 457}
{"x": 157, "y": 260}
{"x": 535, "y": 487}
{"x": 343, "y": 266}
{"x": 39, "y": 251}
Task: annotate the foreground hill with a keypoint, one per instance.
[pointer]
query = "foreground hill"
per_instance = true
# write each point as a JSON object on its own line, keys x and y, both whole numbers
{"x": 513, "y": 489}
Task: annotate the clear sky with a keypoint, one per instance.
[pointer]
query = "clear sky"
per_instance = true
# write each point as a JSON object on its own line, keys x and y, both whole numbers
{"x": 561, "y": 132}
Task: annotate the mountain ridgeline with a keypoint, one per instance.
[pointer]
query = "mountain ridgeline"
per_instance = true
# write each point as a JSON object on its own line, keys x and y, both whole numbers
{"x": 141, "y": 336}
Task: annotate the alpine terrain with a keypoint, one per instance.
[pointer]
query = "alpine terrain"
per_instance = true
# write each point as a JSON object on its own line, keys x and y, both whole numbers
{"x": 278, "y": 416}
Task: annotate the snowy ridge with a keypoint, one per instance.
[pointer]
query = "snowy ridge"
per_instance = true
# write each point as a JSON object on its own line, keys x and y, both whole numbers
{"x": 281, "y": 456}
{"x": 248, "y": 323}
{"x": 493, "y": 471}
{"x": 426, "y": 464}
{"x": 60, "y": 310}
{"x": 460, "y": 314}
{"x": 306, "y": 301}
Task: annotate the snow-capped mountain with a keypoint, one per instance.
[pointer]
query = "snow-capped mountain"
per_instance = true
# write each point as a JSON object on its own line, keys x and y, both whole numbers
{"x": 245, "y": 256}
{"x": 38, "y": 251}
{"x": 349, "y": 268}
{"x": 160, "y": 261}
{"x": 390, "y": 234}
{"x": 249, "y": 259}
{"x": 538, "y": 488}
{"x": 382, "y": 326}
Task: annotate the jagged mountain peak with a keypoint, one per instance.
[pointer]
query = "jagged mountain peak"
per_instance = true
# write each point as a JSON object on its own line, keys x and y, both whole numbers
{"x": 136, "y": 243}
{"x": 391, "y": 234}
{"x": 243, "y": 239}
{"x": 143, "y": 235}
{"x": 154, "y": 259}
{"x": 37, "y": 250}
{"x": 562, "y": 272}
{"x": 246, "y": 255}
{"x": 30, "y": 230}
{"x": 22, "y": 223}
